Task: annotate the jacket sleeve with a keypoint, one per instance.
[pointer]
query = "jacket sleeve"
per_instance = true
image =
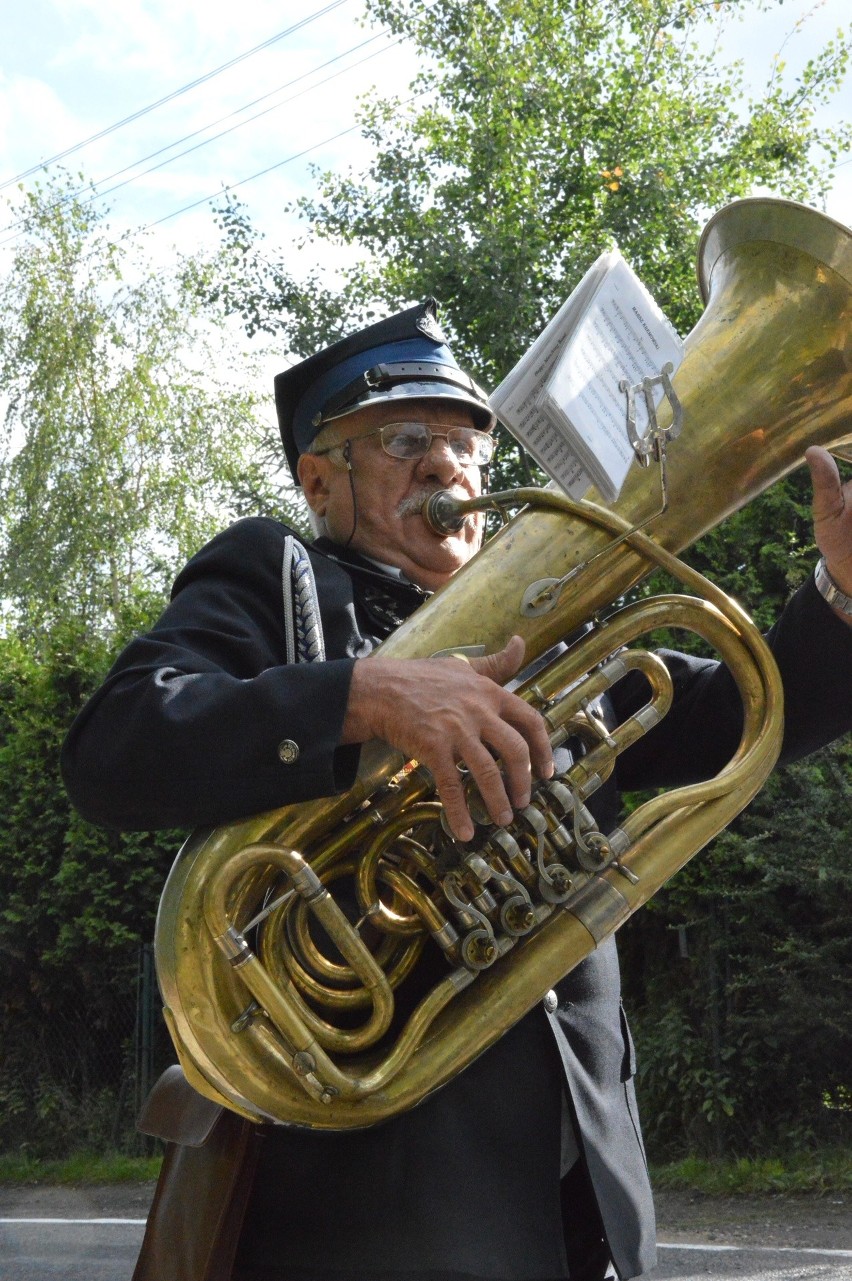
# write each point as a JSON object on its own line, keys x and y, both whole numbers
{"x": 187, "y": 729}
{"x": 813, "y": 650}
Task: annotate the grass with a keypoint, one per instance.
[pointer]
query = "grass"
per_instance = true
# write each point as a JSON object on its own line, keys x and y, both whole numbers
{"x": 817, "y": 1173}
{"x": 81, "y": 1167}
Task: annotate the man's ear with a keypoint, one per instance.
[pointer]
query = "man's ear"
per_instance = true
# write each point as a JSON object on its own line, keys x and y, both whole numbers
{"x": 313, "y": 472}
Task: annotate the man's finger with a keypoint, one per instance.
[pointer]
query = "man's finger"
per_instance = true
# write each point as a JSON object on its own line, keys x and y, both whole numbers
{"x": 448, "y": 783}
{"x": 488, "y": 777}
{"x": 531, "y": 726}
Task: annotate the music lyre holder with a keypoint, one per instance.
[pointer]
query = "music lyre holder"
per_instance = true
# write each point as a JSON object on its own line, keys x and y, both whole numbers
{"x": 652, "y": 442}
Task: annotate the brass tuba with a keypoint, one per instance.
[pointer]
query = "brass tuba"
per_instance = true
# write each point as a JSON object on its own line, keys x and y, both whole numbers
{"x": 283, "y": 1009}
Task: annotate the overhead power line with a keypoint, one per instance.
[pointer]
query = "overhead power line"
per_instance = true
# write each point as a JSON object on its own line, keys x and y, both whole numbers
{"x": 232, "y": 186}
{"x": 247, "y": 107}
{"x": 98, "y": 183}
{"x": 143, "y": 111}
{"x": 284, "y": 102}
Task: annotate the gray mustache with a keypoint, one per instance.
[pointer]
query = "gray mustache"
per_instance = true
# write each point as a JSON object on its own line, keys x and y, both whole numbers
{"x": 412, "y": 503}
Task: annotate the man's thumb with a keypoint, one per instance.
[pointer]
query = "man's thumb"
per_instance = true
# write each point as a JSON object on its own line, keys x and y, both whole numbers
{"x": 503, "y": 665}
{"x": 825, "y": 477}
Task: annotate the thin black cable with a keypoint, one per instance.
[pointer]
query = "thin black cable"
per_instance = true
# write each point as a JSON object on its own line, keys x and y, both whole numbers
{"x": 98, "y": 194}
{"x": 245, "y": 107}
{"x": 347, "y": 458}
{"x": 143, "y": 111}
{"x": 288, "y": 84}
{"x": 232, "y": 186}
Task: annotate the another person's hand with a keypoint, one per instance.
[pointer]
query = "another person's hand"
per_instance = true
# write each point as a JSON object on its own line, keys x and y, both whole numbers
{"x": 832, "y": 508}
{"x": 444, "y": 712}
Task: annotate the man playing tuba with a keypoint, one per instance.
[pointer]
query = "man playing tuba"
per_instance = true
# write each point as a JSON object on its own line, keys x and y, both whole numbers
{"x": 250, "y": 693}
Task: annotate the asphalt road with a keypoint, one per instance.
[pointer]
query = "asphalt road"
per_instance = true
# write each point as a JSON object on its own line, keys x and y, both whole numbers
{"x": 79, "y": 1234}
{"x": 94, "y": 1251}
{"x": 751, "y": 1264}
{"x": 105, "y": 1250}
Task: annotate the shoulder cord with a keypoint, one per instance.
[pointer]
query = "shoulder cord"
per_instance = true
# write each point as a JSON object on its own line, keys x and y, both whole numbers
{"x": 302, "y": 623}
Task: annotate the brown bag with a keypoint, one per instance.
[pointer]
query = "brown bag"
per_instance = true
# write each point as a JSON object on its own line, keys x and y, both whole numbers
{"x": 197, "y": 1213}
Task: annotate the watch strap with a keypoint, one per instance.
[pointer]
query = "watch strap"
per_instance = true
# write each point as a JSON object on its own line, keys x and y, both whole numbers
{"x": 828, "y": 589}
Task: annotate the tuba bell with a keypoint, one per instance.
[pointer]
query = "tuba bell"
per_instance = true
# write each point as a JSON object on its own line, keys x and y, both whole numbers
{"x": 283, "y": 1009}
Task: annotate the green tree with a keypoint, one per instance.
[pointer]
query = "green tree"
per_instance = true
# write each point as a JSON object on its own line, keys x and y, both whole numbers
{"x": 76, "y": 902}
{"x": 132, "y": 428}
{"x": 739, "y": 974}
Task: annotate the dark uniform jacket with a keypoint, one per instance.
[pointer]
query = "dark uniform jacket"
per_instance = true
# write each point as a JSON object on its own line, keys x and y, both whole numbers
{"x": 186, "y": 731}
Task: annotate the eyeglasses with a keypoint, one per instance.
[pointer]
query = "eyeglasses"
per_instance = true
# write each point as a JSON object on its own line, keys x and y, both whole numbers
{"x": 413, "y": 440}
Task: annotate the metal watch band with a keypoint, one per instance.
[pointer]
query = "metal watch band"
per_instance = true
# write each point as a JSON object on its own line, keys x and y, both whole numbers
{"x": 828, "y": 589}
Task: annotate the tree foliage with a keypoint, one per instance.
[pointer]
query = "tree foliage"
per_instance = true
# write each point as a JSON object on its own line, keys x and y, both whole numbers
{"x": 130, "y": 436}
{"x": 133, "y": 430}
{"x": 739, "y": 972}
{"x": 76, "y": 902}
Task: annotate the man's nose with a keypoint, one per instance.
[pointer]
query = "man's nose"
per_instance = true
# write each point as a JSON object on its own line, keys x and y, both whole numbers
{"x": 440, "y": 462}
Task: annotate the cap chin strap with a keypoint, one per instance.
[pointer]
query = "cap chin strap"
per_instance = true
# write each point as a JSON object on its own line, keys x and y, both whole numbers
{"x": 347, "y": 455}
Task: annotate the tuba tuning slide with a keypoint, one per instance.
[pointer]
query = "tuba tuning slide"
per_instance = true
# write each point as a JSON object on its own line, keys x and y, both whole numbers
{"x": 280, "y": 1007}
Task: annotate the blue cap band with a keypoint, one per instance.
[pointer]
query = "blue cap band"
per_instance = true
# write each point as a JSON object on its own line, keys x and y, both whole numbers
{"x": 324, "y": 388}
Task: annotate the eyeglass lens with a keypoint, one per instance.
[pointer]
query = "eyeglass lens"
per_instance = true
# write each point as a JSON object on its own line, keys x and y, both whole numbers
{"x": 412, "y": 440}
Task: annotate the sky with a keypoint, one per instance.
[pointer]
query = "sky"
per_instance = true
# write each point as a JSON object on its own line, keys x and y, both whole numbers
{"x": 70, "y": 69}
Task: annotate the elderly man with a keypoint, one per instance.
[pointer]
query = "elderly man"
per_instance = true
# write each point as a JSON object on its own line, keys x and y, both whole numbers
{"x": 246, "y": 696}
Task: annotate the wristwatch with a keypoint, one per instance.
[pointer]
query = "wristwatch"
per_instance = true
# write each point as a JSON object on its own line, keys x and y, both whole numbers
{"x": 828, "y": 589}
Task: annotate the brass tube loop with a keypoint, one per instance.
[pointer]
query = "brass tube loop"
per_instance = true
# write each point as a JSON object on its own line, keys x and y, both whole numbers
{"x": 382, "y": 916}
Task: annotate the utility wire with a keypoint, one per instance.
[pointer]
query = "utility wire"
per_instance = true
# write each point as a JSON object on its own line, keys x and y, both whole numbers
{"x": 247, "y": 107}
{"x": 224, "y": 132}
{"x": 98, "y": 194}
{"x": 232, "y": 186}
{"x": 227, "y": 187}
{"x": 143, "y": 111}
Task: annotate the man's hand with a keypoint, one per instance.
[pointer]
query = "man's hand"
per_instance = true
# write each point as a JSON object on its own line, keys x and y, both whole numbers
{"x": 832, "y": 507}
{"x": 447, "y": 711}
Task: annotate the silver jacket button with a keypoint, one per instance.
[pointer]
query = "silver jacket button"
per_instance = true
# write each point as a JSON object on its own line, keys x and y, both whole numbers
{"x": 550, "y": 1001}
{"x": 288, "y": 751}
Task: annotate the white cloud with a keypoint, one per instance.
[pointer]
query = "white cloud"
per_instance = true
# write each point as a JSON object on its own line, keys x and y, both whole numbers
{"x": 165, "y": 39}
{"x": 34, "y": 123}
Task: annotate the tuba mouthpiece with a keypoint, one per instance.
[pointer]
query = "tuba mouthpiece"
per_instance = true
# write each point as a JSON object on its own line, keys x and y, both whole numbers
{"x": 442, "y": 513}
